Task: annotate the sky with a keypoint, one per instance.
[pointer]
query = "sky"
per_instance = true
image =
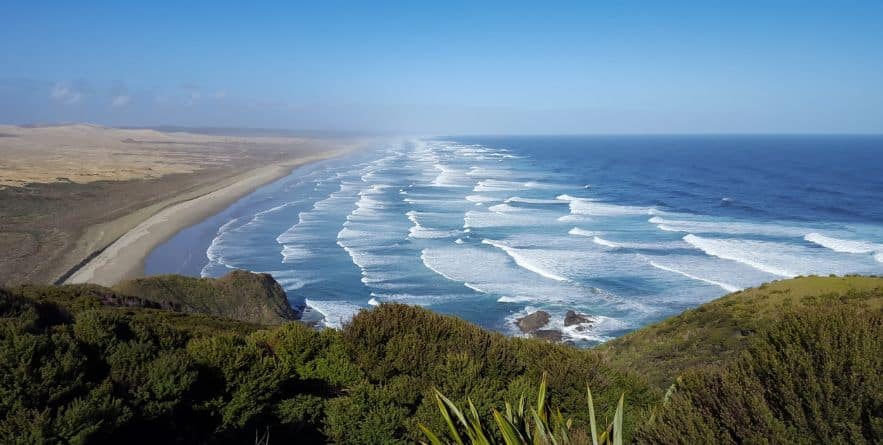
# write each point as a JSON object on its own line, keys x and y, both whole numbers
{"x": 448, "y": 67}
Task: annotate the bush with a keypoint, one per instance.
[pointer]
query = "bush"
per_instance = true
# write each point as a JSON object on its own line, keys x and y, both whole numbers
{"x": 815, "y": 377}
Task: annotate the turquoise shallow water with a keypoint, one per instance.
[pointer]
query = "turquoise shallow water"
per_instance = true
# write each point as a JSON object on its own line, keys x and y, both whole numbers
{"x": 626, "y": 229}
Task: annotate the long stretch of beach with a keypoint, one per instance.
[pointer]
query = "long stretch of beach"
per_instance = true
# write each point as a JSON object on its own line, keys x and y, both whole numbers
{"x": 84, "y": 203}
{"x": 124, "y": 258}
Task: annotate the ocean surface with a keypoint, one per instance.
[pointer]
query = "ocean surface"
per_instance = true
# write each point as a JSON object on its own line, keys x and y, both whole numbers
{"x": 628, "y": 230}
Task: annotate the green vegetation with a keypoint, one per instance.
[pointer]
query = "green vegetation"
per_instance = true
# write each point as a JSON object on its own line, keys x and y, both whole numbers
{"x": 523, "y": 426}
{"x": 242, "y": 295}
{"x": 794, "y": 361}
{"x": 817, "y": 377}
{"x": 84, "y": 363}
{"x": 717, "y": 331}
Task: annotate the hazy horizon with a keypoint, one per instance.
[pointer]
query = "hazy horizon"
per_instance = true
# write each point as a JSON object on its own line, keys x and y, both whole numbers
{"x": 461, "y": 68}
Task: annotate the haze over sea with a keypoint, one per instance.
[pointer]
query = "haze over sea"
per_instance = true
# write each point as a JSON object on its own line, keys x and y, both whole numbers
{"x": 627, "y": 229}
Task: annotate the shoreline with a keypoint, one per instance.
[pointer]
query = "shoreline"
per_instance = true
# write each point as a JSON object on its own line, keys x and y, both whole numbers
{"x": 124, "y": 257}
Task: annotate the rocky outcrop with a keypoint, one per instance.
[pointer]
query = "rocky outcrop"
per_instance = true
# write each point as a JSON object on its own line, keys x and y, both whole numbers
{"x": 572, "y": 318}
{"x": 532, "y": 322}
{"x": 241, "y": 295}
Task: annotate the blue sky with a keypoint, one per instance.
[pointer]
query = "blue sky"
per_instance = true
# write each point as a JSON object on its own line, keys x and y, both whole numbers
{"x": 449, "y": 67}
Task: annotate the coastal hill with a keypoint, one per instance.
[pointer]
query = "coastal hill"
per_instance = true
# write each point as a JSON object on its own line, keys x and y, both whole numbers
{"x": 717, "y": 331}
{"x": 795, "y": 361}
{"x": 240, "y": 295}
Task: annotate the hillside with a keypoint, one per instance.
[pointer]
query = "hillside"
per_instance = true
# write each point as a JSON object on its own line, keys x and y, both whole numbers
{"x": 89, "y": 363}
{"x": 240, "y": 295}
{"x": 716, "y": 332}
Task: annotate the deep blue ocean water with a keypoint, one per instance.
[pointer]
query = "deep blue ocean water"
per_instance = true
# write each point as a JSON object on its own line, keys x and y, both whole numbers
{"x": 627, "y": 229}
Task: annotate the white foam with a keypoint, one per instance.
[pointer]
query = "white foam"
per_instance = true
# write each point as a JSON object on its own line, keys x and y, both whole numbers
{"x": 496, "y": 185}
{"x": 503, "y": 208}
{"x": 726, "y": 227}
{"x": 505, "y": 299}
{"x": 373, "y": 302}
{"x": 291, "y": 283}
{"x": 479, "y": 199}
{"x": 336, "y": 313}
{"x": 739, "y": 251}
{"x": 783, "y": 259}
{"x": 599, "y": 328}
{"x": 843, "y": 245}
{"x": 523, "y": 260}
{"x": 585, "y": 206}
{"x": 603, "y": 242}
{"x": 492, "y": 271}
{"x": 479, "y": 219}
{"x": 419, "y": 232}
{"x": 580, "y": 232}
{"x": 229, "y": 224}
{"x": 293, "y": 252}
{"x": 519, "y": 199}
{"x": 449, "y": 177}
{"x": 724, "y": 286}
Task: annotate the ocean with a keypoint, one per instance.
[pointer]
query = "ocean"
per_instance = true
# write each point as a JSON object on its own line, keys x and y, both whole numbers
{"x": 625, "y": 229}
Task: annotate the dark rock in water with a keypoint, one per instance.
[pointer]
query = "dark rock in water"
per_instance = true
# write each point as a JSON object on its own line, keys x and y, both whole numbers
{"x": 531, "y": 322}
{"x": 548, "y": 334}
{"x": 572, "y": 318}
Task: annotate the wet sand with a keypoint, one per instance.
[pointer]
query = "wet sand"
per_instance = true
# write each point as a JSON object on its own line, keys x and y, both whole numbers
{"x": 124, "y": 258}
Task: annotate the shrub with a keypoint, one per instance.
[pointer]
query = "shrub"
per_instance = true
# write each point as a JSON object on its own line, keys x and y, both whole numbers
{"x": 523, "y": 425}
{"x": 815, "y": 377}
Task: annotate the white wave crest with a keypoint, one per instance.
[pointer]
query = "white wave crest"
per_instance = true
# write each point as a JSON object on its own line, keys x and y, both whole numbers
{"x": 585, "y": 206}
{"x": 843, "y": 245}
{"x": 726, "y": 227}
{"x": 739, "y": 251}
{"x": 479, "y": 199}
{"x": 724, "y": 286}
{"x": 524, "y": 261}
{"x": 496, "y": 185}
{"x": 580, "y": 232}
{"x": 533, "y": 201}
{"x": 292, "y": 252}
{"x": 603, "y": 242}
{"x": 335, "y": 313}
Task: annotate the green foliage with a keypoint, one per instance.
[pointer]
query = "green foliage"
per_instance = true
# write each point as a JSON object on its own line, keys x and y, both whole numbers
{"x": 240, "y": 295}
{"x": 520, "y": 425}
{"x": 716, "y": 332}
{"x": 89, "y": 364}
{"x": 815, "y": 377}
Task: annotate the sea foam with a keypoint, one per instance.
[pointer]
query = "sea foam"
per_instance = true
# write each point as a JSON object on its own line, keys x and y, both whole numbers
{"x": 523, "y": 260}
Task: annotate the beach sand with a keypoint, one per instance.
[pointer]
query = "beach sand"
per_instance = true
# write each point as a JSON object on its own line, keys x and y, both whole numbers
{"x": 71, "y": 194}
{"x": 124, "y": 258}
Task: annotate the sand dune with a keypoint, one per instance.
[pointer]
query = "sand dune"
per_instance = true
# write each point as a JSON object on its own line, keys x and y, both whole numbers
{"x": 69, "y": 191}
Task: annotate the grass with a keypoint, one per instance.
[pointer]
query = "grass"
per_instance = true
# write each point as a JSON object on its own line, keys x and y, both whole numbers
{"x": 715, "y": 332}
{"x": 241, "y": 295}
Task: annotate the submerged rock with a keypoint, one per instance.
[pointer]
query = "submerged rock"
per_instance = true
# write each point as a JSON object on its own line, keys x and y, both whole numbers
{"x": 532, "y": 322}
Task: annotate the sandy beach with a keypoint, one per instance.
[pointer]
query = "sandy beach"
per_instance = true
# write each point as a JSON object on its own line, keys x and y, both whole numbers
{"x": 124, "y": 258}
{"x": 68, "y": 192}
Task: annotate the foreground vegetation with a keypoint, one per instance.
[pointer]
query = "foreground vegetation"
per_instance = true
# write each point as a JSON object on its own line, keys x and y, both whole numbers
{"x": 716, "y": 332}
{"x": 522, "y": 424}
{"x": 89, "y": 364}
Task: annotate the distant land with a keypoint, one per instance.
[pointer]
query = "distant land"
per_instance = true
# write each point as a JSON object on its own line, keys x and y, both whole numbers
{"x": 69, "y": 191}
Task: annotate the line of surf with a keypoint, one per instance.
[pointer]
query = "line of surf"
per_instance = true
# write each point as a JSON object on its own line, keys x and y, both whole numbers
{"x": 523, "y": 261}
